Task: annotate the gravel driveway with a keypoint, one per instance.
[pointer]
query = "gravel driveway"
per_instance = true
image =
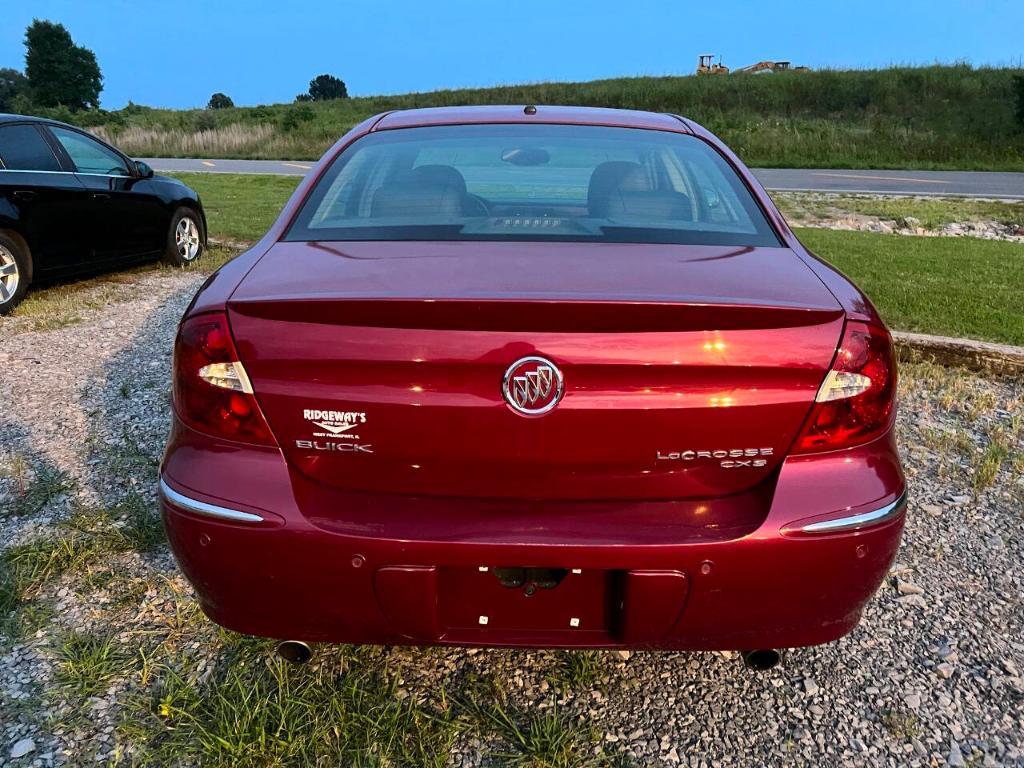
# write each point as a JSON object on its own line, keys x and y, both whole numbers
{"x": 933, "y": 675}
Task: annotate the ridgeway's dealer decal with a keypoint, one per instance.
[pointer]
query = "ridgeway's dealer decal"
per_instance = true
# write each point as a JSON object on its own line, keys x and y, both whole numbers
{"x": 335, "y": 425}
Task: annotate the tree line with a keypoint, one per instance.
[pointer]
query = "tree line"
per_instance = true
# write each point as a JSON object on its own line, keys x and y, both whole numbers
{"x": 60, "y": 74}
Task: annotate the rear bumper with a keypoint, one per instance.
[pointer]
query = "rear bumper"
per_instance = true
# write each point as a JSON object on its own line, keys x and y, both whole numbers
{"x": 800, "y": 578}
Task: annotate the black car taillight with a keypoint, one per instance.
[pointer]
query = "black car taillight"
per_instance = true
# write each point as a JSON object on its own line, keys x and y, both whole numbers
{"x": 855, "y": 401}
{"x": 212, "y": 392}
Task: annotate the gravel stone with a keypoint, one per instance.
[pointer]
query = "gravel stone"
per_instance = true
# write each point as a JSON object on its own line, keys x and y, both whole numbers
{"x": 839, "y": 219}
{"x": 22, "y": 748}
{"x": 906, "y": 588}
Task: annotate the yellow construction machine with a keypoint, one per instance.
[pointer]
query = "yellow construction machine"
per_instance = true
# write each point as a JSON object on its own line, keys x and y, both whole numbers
{"x": 706, "y": 65}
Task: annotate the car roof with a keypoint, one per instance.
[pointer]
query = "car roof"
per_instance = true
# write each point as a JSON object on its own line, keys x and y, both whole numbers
{"x": 8, "y": 118}
{"x": 620, "y": 118}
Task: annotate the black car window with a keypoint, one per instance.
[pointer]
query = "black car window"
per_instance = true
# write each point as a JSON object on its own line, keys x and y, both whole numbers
{"x": 88, "y": 155}
{"x": 22, "y": 148}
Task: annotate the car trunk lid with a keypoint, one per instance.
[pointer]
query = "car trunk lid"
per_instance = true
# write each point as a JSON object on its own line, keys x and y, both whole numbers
{"x": 688, "y": 370}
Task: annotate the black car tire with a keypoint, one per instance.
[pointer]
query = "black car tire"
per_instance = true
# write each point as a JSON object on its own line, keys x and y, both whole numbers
{"x": 23, "y": 262}
{"x": 174, "y": 254}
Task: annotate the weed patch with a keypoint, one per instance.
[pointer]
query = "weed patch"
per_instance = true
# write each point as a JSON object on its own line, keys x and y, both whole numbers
{"x": 47, "y": 485}
{"x": 546, "y": 739}
{"x": 87, "y": 663}
{"x": 577, "y": 670}
{"x": 255, "y": 710}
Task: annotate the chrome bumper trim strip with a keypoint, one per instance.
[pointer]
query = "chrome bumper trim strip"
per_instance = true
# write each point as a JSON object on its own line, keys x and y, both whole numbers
{"x": 207, "y": 510}
{"x": 858, "y": 521}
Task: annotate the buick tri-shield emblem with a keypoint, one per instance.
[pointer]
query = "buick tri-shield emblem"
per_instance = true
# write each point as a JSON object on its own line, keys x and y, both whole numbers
{"x": 532, "y": 386}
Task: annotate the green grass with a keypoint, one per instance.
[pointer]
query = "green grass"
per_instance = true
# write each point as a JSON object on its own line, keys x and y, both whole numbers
{"x": 901, "y": 117}
{"x": 960, "y": 287}
{"x": 47, "y": 485}
{"x": 904, "y": 726}
{"x": 240, "y": 207}
{"x": 9, "y": 599}
{"x": 545, "y": 739}
{"x": 251, "y": 710}
{"x": 255, "y": 711}
{"x": 84, "y": 543}
{"x": 87, "y": 663}
{"x": 577, "y": 670}
{"x": 998, "y": 450}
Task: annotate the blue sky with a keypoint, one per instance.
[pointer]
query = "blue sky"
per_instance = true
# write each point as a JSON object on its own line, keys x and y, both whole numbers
{"x": 177, "y": 53}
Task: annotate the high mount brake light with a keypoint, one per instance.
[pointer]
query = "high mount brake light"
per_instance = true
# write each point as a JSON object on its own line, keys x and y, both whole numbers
{"x": 855, "y": 401}
{"x": 212, "y": 392}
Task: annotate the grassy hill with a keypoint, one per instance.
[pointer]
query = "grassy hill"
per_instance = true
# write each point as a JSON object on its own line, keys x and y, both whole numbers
{"x": 956, "y": 117}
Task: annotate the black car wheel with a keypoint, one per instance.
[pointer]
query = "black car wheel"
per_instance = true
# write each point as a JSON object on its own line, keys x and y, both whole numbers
{"x": 186, "y": 238}
{"x": 14, "y": 273}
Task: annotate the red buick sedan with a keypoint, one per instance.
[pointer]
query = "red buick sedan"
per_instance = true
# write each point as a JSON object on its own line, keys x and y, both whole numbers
{"x": 533, "y": 376}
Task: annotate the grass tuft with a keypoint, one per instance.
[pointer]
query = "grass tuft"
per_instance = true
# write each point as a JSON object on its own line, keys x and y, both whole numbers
{"x": 547, "y": 739}
{"x": 88, "y": 663}
{"x": 8, "y": 599}
{"x": 902, "y": 725}
{"x": 577, "y": 670}
{"x": 990, "y": 460}
{"x": 47, "y": 485}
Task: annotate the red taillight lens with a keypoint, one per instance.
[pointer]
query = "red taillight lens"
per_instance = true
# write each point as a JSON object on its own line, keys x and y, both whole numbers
{"x": 855, "y": 402}
{"x": 211, "y": 390}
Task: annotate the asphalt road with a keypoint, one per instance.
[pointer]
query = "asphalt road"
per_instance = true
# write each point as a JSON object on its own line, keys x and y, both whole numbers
{"x": 934, "y": 183}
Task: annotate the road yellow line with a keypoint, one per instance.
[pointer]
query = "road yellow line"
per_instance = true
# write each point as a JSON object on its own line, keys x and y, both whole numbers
{"x": 297, "y": 165}
{"x": 207, "y": 163}
{"x": 880, "y": 178}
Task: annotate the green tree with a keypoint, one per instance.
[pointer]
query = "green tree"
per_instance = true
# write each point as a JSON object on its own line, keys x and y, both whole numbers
{"x": 220, "y": 101}
{"x": 58, "y": 71}
{"x": 327, "y": 87}
{"x": 12, "y": 82}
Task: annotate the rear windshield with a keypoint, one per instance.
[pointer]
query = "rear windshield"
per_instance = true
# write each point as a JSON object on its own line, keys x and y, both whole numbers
{"x": 532, "y": 182}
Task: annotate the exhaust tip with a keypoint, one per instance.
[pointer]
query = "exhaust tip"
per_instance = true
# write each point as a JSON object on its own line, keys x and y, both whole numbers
{"x": 294, "y": 651}
{"x": 761, "y": 660}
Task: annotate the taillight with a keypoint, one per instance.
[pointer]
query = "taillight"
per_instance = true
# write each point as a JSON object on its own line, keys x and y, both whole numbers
{"x": 855, "y": 401}
{"x": 212, "y": 392}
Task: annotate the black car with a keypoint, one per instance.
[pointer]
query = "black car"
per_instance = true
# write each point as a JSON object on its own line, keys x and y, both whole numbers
{"x": 70, "y": 204}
